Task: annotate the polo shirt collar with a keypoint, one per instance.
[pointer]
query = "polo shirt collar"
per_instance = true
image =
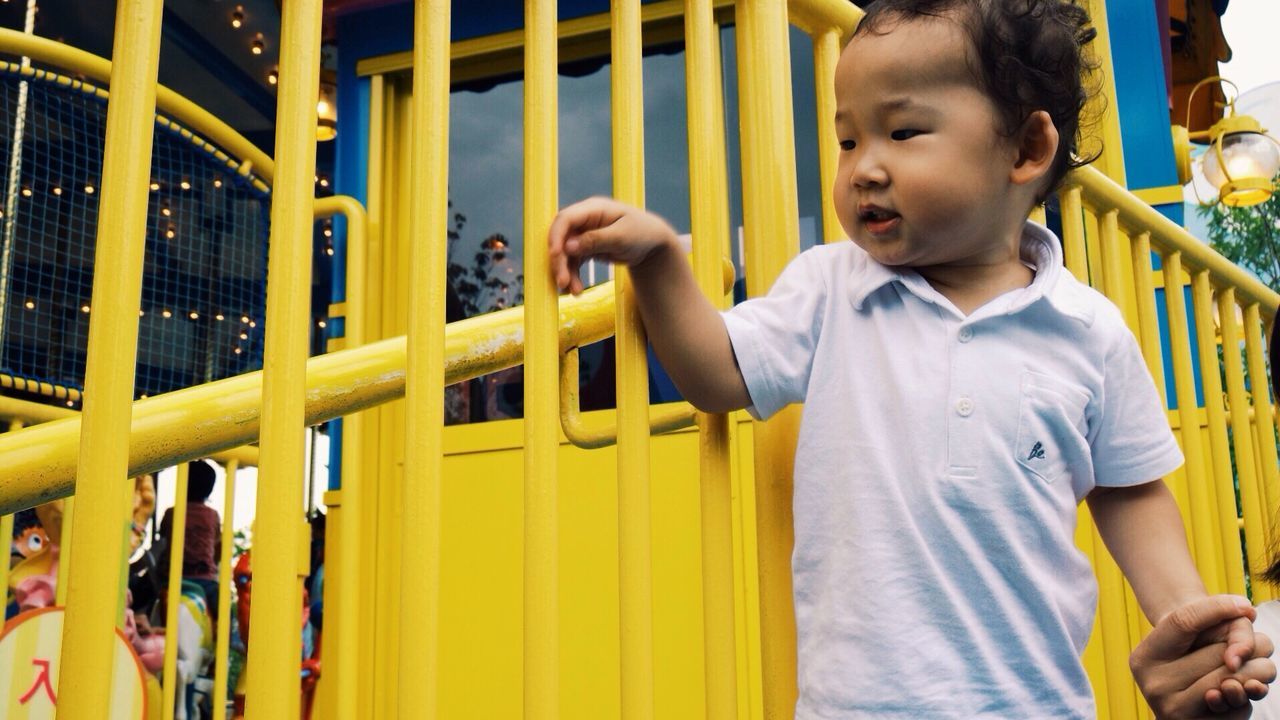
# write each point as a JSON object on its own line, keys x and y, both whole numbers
{"x": 1040, "y": 249}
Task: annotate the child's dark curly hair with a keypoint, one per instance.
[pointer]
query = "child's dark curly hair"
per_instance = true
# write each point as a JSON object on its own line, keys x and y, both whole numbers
{"x": 1029, "y": 55}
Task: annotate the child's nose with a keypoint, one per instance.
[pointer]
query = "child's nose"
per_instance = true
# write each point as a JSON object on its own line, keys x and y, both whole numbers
{"x": 869, "y": 171}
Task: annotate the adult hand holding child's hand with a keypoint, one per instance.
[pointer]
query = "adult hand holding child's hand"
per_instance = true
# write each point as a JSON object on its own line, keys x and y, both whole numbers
{"x": 603, "y": 228}
{"x": 1184, "y": 667}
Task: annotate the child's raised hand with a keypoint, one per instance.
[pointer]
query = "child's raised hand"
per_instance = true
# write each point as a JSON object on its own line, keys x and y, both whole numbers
{"x": 603, "y": 228}
{"x": 1204, "y": 659}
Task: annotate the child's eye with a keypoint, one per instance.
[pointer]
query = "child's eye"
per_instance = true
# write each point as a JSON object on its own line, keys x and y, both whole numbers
{"x": 847, "y": 144}
{"x": 904, "y": 134}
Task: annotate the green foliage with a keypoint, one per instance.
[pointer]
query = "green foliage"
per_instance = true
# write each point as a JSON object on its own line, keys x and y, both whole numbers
{"x": 1249, "y": 236}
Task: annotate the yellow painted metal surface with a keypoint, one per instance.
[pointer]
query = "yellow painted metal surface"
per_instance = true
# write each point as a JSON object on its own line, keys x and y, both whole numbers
{"x": 635, "y": 565}
{"x": 273, "y": 690}
{"x": 424, "y": 381}
{"x": 622, "y": 595}
{"x": 770, "y": 212}
{"x": 542, "y": 691}
{"x": 708, "y": 200}
{"x": 346, "y": 639}
{"x": 95, "y": 584}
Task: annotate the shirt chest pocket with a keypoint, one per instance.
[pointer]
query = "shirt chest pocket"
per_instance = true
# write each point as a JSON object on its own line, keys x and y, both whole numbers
{"x": 1051, "y": 426}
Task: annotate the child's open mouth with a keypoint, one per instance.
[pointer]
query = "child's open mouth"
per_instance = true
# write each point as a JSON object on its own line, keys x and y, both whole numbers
{"x": 878, "y": 220}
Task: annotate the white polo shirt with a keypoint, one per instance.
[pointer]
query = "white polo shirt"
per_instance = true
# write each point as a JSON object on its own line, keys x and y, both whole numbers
{"x": 940, "y": 462}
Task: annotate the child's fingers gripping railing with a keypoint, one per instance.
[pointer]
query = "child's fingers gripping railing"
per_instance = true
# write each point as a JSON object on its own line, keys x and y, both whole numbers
{"x": 662, "y": 419}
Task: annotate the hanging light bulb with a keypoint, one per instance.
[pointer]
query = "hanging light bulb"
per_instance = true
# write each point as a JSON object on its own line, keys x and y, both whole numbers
{"x": 327, "y": 107}
{"x": 1241, "y": 165}
{"x": 237, "y": 17}
{"x": 258, "y": 45}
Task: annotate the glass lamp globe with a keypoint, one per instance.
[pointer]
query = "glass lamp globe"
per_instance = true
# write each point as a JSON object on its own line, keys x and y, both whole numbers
{"x": 1251, "y": 159}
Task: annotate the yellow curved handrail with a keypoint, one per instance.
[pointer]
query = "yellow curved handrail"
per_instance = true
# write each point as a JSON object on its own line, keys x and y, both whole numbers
{"x": 40, "y": 461}
{"x": 1101, "y": 194}
{"x": 168, "y": 102}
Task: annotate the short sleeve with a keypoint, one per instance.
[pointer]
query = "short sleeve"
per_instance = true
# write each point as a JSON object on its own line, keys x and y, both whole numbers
{"x": 774, "y": 336}
{"x": 1131, "y": 442}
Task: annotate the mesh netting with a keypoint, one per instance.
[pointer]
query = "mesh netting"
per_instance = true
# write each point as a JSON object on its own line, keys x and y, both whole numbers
{"x": 204, "y": 283}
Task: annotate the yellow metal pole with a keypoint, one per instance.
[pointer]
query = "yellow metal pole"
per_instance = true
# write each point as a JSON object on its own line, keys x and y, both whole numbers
{"x": 1226, "y": 521}
{"x": 1073, "y": 233}
{"x": 39, "y": 461}
{"x": 222, "y": 646}
{"x": 274, "y": 654}
{"x": 1200, "y": 532}
{"x": 424, "y": 380}
{"x": 344, "y": 628}
{"x": 1252, "y": 501}
{"x": 6, "y": 527}
{"x": 64, "y": 552}
{"x": 826, "y": 53}
{"x": 708, "y": 203}
{"x": 1110, "y": 245}
{"x": 635, "y": 568}
{"x": 177, "y": 548}
{"x": 1264, "y": 415}
{"x": 770, "y": 221}
{"x": 357, "y": 452}
{"x": 541, "y": 364}
{"x": 376, "y": 669}
{"x": 94, "y": 586}
{"x": 1148, "y": 324}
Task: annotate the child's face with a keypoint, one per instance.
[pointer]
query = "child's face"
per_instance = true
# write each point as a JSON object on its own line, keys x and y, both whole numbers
{"x": 923, "y": 178}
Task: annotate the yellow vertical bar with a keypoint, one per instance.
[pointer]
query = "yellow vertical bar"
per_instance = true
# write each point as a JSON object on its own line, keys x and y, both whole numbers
{"x": 1252, "y": 502}
{"x": 1264, "y": 415}
{"x": 1113, "y": 619}
{"x": 6, "y": 523}
{"x": 95, "y": 584}
{"x": 222, "y": 641}
{"x": 346, "y": 625}
{"x": 177, "y": 550}
{"x": 541, "y": 367}
{"x": 1117, "y": 611}
{"x": 274, "y": 655}
{"x": 635, "y": 569}
{"x": 424, "y": 377}
{"x": 1073, "y": 233}
{"x": 64, "y": 551}
{"x": 1148, "y": 324}
{"x": 1114, "y": 252}
{"x": 359, "y": 446}
{"x": 708, "y": 204}
{"x": 1094, "y": 657}
{"x": 770, "y": 221}
{"x": 826, "y": 54}
{"x": 1226, "y": 522}
{"x": 1200, "y": 531}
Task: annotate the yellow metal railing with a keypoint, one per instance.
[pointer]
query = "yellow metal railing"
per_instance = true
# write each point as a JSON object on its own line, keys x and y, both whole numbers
{"x": 746, "y": 668}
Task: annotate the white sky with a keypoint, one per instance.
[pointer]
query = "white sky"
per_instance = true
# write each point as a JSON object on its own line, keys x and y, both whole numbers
{"x": 1250, "y": 27}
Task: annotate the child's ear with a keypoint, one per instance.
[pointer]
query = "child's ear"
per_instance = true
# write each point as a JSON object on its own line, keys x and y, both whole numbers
{"x": 1037, "y": 145}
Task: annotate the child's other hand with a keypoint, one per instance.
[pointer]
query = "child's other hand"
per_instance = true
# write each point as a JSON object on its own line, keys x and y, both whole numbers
{"x": 1204, "y": 659}
{"x": 603, "y": 228}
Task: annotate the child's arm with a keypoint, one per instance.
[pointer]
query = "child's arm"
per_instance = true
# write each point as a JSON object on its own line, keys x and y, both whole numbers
{"x": 1142, "y": 528}
{"x": 686, "y": 330}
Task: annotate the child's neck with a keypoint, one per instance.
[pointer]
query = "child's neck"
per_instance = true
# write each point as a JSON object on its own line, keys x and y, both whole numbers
{"x": 971, "y": 285}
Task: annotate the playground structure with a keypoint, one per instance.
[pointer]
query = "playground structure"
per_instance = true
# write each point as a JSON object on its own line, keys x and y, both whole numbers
{"x": 451, "y": 592}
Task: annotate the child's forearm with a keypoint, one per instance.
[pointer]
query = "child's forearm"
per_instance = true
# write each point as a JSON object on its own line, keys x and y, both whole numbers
{"x": 1142, "y": 528}
{"x": 687, "y": 332}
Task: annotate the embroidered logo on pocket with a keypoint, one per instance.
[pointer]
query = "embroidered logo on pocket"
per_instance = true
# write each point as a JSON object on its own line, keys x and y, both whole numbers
{"x": 1037, "y": 452}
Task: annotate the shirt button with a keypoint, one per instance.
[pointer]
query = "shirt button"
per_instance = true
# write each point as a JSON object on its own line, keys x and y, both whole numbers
{"x": 965, "y": 334}
{"x": 964, "y": 407}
